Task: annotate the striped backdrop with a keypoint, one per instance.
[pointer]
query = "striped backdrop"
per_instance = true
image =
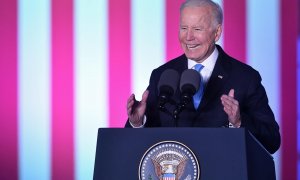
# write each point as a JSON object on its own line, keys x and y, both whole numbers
{"x": 67, "y": 68}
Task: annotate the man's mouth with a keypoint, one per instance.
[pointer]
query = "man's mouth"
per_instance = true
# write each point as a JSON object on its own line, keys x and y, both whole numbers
{"x": 193, "y": 46}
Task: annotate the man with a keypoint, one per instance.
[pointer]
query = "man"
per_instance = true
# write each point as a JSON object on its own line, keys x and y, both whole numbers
{"x": 233, "y": 93}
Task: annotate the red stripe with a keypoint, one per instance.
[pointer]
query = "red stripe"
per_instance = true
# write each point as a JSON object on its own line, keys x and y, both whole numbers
{"x": 62, "y": 90}
{"x": 173, "y": 48}
{"x": 8, "y": 90}
{"x": 119, "y": 61}
{"x": 289, "y": 88}
{"x": 235, "y": 26}
{"x": 298, "y": 19}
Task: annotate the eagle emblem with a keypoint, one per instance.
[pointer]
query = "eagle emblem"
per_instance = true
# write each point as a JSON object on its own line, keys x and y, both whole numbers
{"x": 169, "y": 160}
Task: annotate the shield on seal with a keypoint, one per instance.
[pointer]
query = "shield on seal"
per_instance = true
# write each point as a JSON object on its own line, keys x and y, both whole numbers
{"x": 169, "y": 160}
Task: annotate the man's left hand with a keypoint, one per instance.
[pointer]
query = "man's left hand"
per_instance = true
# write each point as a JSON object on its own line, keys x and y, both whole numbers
{"x": 232, "y": 108}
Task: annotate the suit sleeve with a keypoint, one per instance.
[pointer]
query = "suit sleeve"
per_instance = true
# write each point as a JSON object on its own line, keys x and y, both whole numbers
{"x": 257, "y": 116}
{"x": 152, "y": 101}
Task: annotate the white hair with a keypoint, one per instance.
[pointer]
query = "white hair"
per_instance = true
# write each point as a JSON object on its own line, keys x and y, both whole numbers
{"x": 217, "y": 11}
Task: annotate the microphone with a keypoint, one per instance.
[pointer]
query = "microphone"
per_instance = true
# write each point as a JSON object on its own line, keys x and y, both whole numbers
{"x": 189, "y": 85}
{"x": 167, "y": 86}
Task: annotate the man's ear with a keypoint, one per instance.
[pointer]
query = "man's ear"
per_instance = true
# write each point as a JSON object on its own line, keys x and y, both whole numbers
{"x": 218, "y": 32}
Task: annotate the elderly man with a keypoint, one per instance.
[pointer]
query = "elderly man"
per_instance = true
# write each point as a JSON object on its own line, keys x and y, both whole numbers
{"x": 232, "y": 96}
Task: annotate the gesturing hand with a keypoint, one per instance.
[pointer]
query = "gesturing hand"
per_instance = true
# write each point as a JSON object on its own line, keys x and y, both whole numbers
{"x": 232, "y": 108}
{"x": 136, "y": 109}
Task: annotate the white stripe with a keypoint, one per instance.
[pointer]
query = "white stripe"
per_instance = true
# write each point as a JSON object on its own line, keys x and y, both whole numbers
{"x": 148, "y": 41}
{"x": 34, "y": 89}
{"x": 221, "y": 40}
{"x": 264, "y": 51}
{"x": 90, "y": 81}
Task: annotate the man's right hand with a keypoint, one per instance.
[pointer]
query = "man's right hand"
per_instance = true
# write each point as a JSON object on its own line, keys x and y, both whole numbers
{"x": 136, "y": 109}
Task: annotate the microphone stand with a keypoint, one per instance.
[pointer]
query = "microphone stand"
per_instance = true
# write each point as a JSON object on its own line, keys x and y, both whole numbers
{"x": 163, "y": 99}
{"x": 185, "y": 99}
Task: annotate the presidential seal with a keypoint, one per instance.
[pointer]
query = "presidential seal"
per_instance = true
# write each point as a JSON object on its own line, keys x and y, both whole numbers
{"x": 169, "y": 160}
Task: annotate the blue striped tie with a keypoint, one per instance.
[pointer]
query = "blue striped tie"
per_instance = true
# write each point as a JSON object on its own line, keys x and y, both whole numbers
{"x": 198, "y": 96}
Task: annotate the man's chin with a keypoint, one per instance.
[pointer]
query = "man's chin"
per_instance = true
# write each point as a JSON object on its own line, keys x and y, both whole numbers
{"x": 191, "y": 57}
{"x": 194, "y": 58}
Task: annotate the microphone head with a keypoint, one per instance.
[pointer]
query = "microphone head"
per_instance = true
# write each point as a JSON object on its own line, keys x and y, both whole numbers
{"x": 168, "y": 83}
{"x": 189, "y": 82}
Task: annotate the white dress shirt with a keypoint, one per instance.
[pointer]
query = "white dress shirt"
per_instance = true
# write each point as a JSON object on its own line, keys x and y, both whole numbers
{"x": 208, "y": 64}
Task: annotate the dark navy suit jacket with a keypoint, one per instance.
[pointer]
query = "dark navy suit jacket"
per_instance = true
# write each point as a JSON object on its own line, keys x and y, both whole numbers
{"x": 228, "y": 73}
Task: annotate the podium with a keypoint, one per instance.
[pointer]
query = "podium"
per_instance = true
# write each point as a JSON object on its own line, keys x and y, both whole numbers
{"x": 222, "y": 153}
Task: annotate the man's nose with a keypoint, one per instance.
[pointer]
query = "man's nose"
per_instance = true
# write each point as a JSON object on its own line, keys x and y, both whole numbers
{"x": 190, "y": 35}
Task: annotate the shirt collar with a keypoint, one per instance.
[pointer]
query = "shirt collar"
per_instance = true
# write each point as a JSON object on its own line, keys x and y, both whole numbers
{"x": 208, "y": 63}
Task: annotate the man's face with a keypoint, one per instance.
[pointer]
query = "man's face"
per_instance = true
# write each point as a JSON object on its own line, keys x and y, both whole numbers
{"x": 198, "y": 33}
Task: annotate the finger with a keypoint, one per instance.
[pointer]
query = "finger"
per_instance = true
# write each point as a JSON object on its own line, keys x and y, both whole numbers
{"x": 130, "y": 104}
{"x": 145, "y": 96}
{"x": 131, "y": 101}
{"x": 129, "y": 111}
{"x": 231, "y": 110}
{"x": 229, "y": 107}
{"x": 231, "y": 93}
{"x": 232, "y": 106}
{"x": 131, "y": 97}
{"x": 228, "y": 111}
{"x": 229, "y": 100}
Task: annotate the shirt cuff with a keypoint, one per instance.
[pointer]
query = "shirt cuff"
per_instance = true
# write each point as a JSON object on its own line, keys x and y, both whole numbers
{"x": 144, "y": 122}
{"x": 230, "y": 125}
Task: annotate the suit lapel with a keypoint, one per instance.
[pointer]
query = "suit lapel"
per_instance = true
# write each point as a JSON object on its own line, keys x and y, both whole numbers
{"x": 217, "y": 80}
{"x": 182, "y": 65}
